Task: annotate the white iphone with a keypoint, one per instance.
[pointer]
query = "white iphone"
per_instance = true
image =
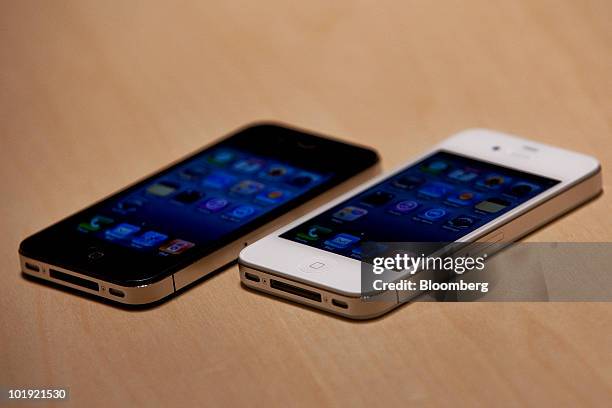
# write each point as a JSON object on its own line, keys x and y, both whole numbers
{"x": 478, "y": 185}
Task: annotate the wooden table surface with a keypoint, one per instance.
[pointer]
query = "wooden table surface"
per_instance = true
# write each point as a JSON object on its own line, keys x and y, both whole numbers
{"x": 96, "y": 94}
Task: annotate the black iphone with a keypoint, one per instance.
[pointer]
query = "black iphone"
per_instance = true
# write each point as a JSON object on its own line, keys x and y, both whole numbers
{"x": 162, "y": 233}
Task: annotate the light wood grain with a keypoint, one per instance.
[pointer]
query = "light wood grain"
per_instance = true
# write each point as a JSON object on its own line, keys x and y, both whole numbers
{"x": 95, "y": 94}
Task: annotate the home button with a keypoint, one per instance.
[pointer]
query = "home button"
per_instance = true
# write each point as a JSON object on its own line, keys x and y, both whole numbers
{"x": 316, "y": 265}
{"x": 95, "y": 254}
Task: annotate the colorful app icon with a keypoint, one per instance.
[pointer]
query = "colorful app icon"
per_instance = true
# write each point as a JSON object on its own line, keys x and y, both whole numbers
{"x": 464, "y": 175}
{"x": 241, "y": 212}
{"x": 162, "y": 188}
{"x": 407, "y": 182}
{"x": 350, "y": 213}
{"x": 302, "y": 179}
{"x": 342, "y": 241}
{"x": 433, "y": 214}
{"x": 493, "y": 181}
{"x": 377, "y": 198}
{"x": 492, "y": 205}
{"x": 176, "y": 246}
{"x": 214, "y": 204}
{"x": 149, "y": 239}
{"x": 272, "y": 196}
{"x": 221, "y": 157}
{"x": 128, "y": 205}
{"x": 522, "y": 189}
{"x": 404, "y": 207}
{"x": 435, "y": 167}
{"x": 463, "y": 222}
{"x": 314, "y": 233}
{"x": 464, "y": 197}
{"x": 188, "y": 196}
{"x": 247, "y": 187}
{"x": 435, "y": 190}
{"x": 249, "y": 165}
{"x": 95, "y": 224}
{"x": 192, "y": 173}
{"x": 219, "y": 180}
{"x": 276, "y": 171}
{"x": 121, "y": 231}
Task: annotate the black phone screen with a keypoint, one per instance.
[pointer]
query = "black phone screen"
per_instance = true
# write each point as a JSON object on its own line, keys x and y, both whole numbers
{"x": 439, "y": 199}
{"x": 197, "y": 203}
{"x": 196, "y": 206}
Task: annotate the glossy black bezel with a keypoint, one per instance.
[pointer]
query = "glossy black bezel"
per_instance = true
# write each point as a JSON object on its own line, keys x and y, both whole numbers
{"x": 62, "y": 245}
